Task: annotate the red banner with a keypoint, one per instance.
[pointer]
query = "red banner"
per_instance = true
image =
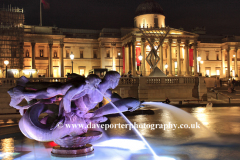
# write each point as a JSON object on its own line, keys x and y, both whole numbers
{"x": 45, "y": 4}
{"x": 191, "y": 57}
{"x": 138, "y": 51}
{"x": 123, "y": 59}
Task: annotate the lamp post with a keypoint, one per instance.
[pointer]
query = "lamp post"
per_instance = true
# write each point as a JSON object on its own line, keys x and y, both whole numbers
{"x": 72, "y": 57}
{"x": 140, "y": 59}
{"x": 119, "y": 54}
{"x": 199, "y": 59}
{"x": 6, "y": 62}
{"x": 166, "y": 66}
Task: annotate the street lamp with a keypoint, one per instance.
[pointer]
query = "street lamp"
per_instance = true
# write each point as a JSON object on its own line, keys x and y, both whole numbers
{"x": 119, "y": 54}
{"x": 72, "y": 57}
{"x": 140, "y": 59}
{"x": 6, "y": 62}
{"x": 199, "y": 59}
{"x": 166, "y": 66}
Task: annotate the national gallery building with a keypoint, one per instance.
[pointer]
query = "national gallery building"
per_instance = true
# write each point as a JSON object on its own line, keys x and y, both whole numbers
{"x": 45, "y": 51}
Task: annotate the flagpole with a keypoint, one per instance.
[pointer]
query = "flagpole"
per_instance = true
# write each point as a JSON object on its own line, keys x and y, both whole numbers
{"x": 40, "y": 13}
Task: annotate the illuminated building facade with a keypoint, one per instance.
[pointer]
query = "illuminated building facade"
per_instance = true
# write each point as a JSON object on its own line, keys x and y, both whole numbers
{"x": 46, "y": 50}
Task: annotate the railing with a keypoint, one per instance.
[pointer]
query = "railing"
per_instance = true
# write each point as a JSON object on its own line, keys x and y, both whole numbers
{"x": 122, "y": 81}
{"x": 170, "y": 80}
{"x": 189, "y": 80}
{"x": 8, "y": 81}
{"x": 12, "y": 81}
{"x": 129, "y": 81}
{"x": 47, "y": 79}
{"x": 156, "y": 80}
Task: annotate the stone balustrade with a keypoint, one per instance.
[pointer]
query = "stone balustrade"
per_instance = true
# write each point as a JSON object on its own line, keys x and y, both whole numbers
{"x": 143, "y": 88}
{"x": 122, "y": 81}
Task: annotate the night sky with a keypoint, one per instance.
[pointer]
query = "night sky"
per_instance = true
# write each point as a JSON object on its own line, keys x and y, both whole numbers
{"x": 218, "y": 16}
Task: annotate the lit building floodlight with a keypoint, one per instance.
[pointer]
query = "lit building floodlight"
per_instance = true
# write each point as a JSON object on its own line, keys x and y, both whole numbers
{"x": 199, "y": 58}
{"x": 166, "y": 65}
{"x": 140, "y": 57}
{"x": 6, "y": 62}
{"x": 72, "y": 56}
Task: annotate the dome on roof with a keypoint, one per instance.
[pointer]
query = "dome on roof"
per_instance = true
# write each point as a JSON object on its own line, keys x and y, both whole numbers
{"x": 149, "y": 7}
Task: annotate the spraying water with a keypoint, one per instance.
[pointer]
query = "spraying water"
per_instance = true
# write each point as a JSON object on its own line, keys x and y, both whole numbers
{"x": 129, "y": 122}
{"x": 185, "y": 118}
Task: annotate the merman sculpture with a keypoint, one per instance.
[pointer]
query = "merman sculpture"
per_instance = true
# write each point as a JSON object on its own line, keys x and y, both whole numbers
{"x": 79, "y": 96}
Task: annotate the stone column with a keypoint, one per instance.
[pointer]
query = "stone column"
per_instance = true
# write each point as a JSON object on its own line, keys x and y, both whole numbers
{"x": 166, "y": 54}
{"x": 235, "y": 62}
{"x": 33, "y": 55}
{"x": 50, "y": 66}
{"x": 134, "y": 57}
{"x": 143, "y": 55}
{"x": 126, "y": 58}
{"x": 222, "y": 65}
{"x": 130, "y": 57}
{"x": 61, "y": 62}
{"x": 178, "y": 57}
{"x": 195, "y": 58}
{"x": 113, "y": 56}
{"x": 228, "y": 63}
{"x": 102, "y": 55}
{"x": 170, "y": 56}
{"x": 161, "y": 57}
{"x": 186, "y": 57}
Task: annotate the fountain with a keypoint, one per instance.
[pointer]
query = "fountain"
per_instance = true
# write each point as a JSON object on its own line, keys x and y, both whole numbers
{"x": 81, "y": 95}
{"x": 67, "y": 124}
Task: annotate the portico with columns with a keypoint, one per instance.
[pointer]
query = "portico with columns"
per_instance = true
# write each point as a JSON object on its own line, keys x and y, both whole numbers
{"x": 177, "y": 45}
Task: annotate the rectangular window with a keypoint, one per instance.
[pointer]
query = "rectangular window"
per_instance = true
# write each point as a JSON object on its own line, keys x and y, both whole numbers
{"x": 156, "y": 22}
{"x": 55, "y": 72}
{"x": 108, "y": 54}
{"x": 207, "y": 55}
{"x": 67, "y": 71}
{"x": 208, "y": 71}
{"x": 67, "y": 53}
{"x": 82, "y": 72}
{"x": 81, "y": 54}
{"x": 94, "y": 54}
{"x": 41, "y": 52}
{"x": 218, "y": 72}
{"x": 217, "y": 56}
{"x": 175, "y": 67}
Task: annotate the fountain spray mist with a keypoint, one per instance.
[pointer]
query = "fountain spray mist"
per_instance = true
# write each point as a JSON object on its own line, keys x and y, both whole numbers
{"x": 186, "y": 118}
{"x": 129, "y": 122}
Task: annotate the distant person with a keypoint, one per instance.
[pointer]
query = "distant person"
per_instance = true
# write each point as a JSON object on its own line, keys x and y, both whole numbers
{"x": 167, "y": 100}
{"x": 234, "y": 83}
